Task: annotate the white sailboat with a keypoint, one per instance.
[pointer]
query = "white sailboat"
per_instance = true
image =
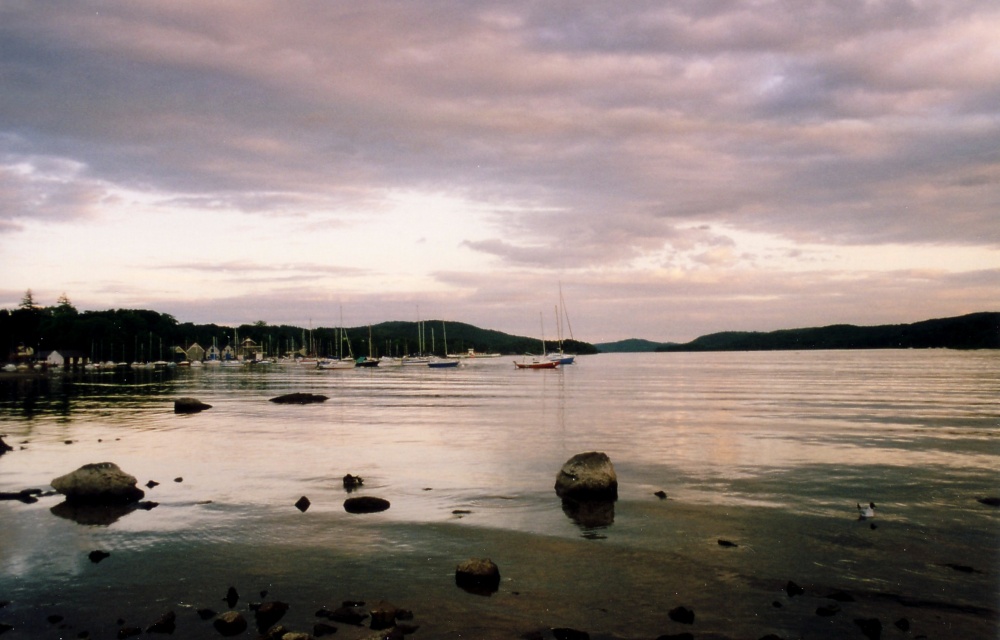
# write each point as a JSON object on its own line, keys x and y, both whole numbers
{"x": 560, "y": 356}
{"x": 340, "y": 362}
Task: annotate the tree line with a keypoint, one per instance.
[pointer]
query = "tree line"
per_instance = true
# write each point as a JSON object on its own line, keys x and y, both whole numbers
{"x": 141, "y": 335}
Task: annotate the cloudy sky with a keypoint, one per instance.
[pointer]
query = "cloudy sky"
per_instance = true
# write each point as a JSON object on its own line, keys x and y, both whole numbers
{"x": 679, "y": 167}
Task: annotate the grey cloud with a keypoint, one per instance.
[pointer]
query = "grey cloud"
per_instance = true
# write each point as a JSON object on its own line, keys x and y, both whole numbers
{"x": 815, "y": 120}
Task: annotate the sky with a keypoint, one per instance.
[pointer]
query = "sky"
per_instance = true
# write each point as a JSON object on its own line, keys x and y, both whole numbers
{"x": 672, "y": 168}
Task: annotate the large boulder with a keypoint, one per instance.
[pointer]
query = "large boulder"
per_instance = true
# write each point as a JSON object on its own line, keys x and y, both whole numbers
{"x": 101, "y": 482}
{"x": 587, "y": 476}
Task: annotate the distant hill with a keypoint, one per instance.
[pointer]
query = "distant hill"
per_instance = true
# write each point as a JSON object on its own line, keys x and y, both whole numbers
{"x": 631, "y": 345}
{"x": 973, "y": 331}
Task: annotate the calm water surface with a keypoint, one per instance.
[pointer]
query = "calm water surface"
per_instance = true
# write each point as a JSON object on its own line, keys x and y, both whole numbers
{"x": 770, "y": 451}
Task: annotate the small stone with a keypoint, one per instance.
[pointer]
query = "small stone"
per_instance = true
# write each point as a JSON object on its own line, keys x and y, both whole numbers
{"x": 827, "y": 611}
{"x": 97, "y": 555}
{"x": 478, "y": 575}
{"x": 662, "y": 495}
{"x": 682, "y": 615}
{"x": 961, "y": 568}
{"x": 128, "y": 632}
{"x": 302, "y": 504}
{"x": 727, "y": 543}
{"x": 992, "y": 501}
{"x": 348, "y": 614}
{"x": 178, "y": 479}
{"x": 321, "y": 629}
{"x": 151, "y": 484}
{"x": 383, "y": 615}
{"x": 54, "y": 618}
{"x": 232, "y": 597}
{"x": 352, "y": 482}
{"x": 871, "y": 628}
{"x": 268, "y": 613}
{"x": 793, "y": 589}
{"x": 165, "y": 624}
{"x": 230, "y": 623}
{"x": 206, "y": 614}
{"x": 902, "y": 624}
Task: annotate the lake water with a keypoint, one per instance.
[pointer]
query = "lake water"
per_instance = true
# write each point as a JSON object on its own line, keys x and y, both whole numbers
{"x": 770, "y": 451}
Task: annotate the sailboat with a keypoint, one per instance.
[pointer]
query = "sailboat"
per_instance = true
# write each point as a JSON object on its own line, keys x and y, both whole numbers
{"x": 538, "y": 362}
{"x": 340, "y": 362}
{"x": 446, "y": 362}
{"x": 419, "y": 358}
{"x": 559, "y": 356}
{"x": 369, "y": 360}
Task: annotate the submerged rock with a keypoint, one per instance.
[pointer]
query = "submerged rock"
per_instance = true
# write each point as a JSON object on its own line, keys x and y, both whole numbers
{"x": 4, "y": 447}
{"x": 587, "y": 476}
{"x": 299, "y": 398}
{"x": 190, "y": 405}
{"x": 101, "y": 482}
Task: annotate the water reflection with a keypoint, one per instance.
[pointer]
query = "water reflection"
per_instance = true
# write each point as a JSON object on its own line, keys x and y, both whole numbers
{"x": 590, "y": 515}
{"x": 101, "y": 515}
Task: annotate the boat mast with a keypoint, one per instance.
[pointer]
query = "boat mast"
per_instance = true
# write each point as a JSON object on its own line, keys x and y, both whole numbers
{"x": 541, "y": 320}
{"x": 562, "y": 305}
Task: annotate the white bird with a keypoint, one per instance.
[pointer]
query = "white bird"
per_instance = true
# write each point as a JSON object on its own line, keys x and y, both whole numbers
{"x": 866, "y": 512}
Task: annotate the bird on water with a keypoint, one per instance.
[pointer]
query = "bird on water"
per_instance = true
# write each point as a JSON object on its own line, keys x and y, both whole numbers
{"x": 866, "y": 512}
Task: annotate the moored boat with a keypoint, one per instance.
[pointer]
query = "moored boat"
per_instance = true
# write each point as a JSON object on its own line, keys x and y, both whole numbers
{"x": 536, "y": 364}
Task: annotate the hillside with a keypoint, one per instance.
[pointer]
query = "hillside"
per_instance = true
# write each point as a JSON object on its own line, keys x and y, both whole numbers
{"x": 973, "y": 331}
{"x": 630, "y": 345}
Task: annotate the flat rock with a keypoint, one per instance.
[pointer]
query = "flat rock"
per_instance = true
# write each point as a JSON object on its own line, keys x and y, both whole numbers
{"x": 100, "y": 482}
{"x": 365, "y": 504}
{"x": 190, "y": 405}
{"x": 299, "y": 398}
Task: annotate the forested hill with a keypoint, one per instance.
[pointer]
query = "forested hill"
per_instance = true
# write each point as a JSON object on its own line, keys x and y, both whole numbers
{"x": 973, "y": 331}
{"x": 630, "y": 345}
